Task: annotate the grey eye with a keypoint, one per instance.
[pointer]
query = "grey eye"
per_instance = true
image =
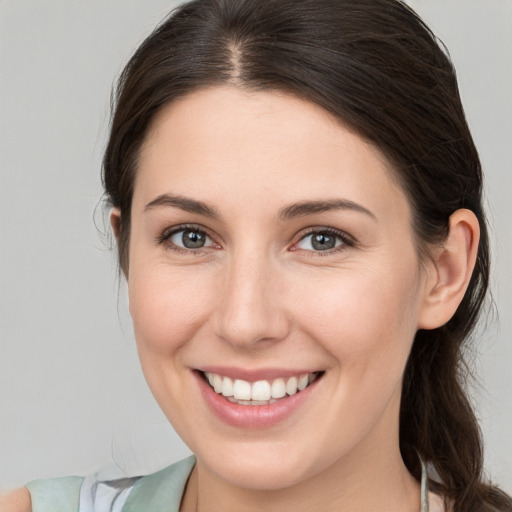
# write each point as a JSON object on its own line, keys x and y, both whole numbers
{"x": 320, "y": 241}
{"x": 191, "y": 239}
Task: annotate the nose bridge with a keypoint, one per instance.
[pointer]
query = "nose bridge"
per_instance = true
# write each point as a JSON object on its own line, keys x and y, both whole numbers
{"x": 249, "y": 309}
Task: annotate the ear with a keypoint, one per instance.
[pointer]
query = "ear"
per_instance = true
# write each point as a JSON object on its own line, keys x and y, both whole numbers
{"x": 115, "y": 222}
{"x": 449, "y": 272}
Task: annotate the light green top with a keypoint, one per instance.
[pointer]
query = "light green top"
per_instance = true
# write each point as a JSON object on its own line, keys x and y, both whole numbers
{"x": 159, "y": 492}
{"x": 56, "y": 494}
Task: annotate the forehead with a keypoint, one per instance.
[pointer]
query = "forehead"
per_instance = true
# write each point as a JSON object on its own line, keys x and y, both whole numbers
{"x": 261, "y": 146}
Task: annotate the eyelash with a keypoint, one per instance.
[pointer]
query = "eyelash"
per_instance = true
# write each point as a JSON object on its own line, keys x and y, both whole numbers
{"x": 346, "y": 240}
{"x": 165, "y": 239}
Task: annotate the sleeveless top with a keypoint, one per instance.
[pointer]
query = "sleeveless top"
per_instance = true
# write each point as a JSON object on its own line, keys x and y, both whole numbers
{"x": 158, "y": 492}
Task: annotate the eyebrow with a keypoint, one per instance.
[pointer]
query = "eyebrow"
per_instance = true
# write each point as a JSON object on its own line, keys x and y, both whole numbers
{"x": 183, "y": 203}
{"x": 304, "y": 208}
{"x": 299, "y": 209}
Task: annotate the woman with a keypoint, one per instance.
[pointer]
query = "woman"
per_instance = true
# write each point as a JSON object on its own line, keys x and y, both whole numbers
{"x": 297, "y": 204}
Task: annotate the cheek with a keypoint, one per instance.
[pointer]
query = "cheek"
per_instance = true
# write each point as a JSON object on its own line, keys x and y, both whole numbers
{"x": 362, "y": 318}
{"x": 167, "y": 307}
{"x": 366, "y": 323}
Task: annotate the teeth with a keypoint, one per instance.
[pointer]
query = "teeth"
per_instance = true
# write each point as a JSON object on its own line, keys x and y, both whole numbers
{"x": 242, "y": 390}
{"x": 227, "y": 386}
{"x": 291, "y": 386}
{"x": 217, "y": 383}
{"x": 278, "y": 388}
{"x": 261, "y": 392}
{"x": 303, "y": 382}
{"x": 251, "y": 402}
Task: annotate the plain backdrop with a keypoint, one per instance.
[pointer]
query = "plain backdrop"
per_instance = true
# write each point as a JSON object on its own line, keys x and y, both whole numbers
{"x": 72, "y": 396}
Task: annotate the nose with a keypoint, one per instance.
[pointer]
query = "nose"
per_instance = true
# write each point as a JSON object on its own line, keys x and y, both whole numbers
{"x": 251, "y": 312}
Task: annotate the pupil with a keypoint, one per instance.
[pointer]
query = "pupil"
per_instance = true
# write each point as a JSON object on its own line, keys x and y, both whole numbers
{"x": 323, "y": 242}
{"x": 193, "y": 239}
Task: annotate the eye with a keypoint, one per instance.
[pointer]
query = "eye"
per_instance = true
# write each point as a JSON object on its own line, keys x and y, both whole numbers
{"x": 190, "y": 238}
{"x": 323, "y": 240}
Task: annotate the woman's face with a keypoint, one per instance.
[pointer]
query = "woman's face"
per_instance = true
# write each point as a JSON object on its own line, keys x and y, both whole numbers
{"x": 268, "y": 243}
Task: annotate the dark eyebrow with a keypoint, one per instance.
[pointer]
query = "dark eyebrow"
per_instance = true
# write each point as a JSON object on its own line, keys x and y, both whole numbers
{"x": 183, "y": 203}
{"x": 303, "y": 208}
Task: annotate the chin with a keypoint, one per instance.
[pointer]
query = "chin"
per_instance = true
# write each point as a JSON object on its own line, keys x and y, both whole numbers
{"x": 270, "y": 475}
{"x": 265, "y": 466}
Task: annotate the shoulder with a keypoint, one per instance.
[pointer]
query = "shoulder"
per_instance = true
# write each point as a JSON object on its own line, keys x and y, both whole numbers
{"x": 159, "y": 492}
{"x": 55, "y": 494}
{"x": 16, "y": 501}
{"x": 436, "y": 503}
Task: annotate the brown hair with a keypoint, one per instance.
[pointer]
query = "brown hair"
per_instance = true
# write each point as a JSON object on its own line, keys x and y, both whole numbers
{"x": 376, "y": 66}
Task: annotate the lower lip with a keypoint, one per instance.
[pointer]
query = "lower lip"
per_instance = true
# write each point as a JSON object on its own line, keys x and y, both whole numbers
{"x": 253, "y": 416}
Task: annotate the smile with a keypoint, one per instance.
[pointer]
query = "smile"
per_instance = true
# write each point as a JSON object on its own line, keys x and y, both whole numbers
{"x": 261, "y": 392}
{"x": 274, "y": 399}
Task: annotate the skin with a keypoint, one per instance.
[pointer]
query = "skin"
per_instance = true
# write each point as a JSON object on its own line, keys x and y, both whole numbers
{"x": 258, "y": 295}
{"x": 16, "y": 501}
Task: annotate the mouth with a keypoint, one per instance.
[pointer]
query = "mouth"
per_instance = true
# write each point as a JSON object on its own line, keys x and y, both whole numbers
{"x": 262, "y": 399}
{"x": 260, "y": 392}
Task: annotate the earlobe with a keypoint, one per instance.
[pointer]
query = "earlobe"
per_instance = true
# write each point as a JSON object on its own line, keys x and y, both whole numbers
{"x": 450, "y": 271}
{"x": 115, "y": 222}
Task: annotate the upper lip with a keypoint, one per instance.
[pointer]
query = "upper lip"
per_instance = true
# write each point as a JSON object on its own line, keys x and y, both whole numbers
{"x": 256, "y": 374}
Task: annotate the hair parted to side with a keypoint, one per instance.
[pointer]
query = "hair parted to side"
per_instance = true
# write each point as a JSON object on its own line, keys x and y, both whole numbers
{"x": 377, "y": 67}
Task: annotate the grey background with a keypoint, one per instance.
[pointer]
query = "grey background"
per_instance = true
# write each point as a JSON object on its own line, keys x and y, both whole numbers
{"x": 72, "y": 396}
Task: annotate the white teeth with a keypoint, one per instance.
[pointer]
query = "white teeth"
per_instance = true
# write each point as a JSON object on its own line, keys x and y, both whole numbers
{"x": 242, "y": 390}
{"x": 291, "y": 386}
{"x": 217, "y": 383}
{"x": 278, "y": 388}
{"x": 303, "y": 382}
{"x": 251, "y": 402}
{"x": 227, "y": 386}
{"x": 261, "y": 392}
